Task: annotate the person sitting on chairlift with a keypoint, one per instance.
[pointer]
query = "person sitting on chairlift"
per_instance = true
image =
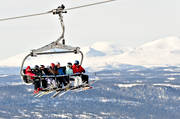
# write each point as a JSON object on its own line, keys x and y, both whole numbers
{"x": 36, "y": 81}
{"x": 79, "y": 69}
{"x": 69, "y": 70}
{"x": 44, "y": 71}
{"x": 53, "y": 69}
{"x": 61, "y": 80}
{"x": 59, "y": 69}
{"x": 36, "y": 70}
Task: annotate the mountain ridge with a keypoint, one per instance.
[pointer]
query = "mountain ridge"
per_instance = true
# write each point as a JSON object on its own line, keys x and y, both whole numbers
{"x": 164, "y": 51}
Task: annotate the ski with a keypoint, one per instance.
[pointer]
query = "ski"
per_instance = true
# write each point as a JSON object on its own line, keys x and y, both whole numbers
{"x": 63, "y": 91}
{"x": 46, "y": 91}
{"x": 84, "y": 87}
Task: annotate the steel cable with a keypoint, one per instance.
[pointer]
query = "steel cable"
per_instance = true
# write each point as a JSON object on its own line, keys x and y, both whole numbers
{"x": 31, "y": 15}
{"x": 92, "y": 4}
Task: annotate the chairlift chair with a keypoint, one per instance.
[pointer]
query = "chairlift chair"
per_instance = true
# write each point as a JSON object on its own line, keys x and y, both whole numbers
{"x": 54, "y": 45}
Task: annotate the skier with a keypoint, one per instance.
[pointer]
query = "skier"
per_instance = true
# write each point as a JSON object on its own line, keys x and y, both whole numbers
{"x": 44, "y": 71}
{"x": 36, "y": 70}
{"x": 53, "y": 69}
{"x": 61, "y": 80}
{"x": 36, "y": 81}
{"x": 28, "y": 72}
{"x": 59, "y": 69}
{"x": 69, "y": 70}
{"x": 79, "y": 69}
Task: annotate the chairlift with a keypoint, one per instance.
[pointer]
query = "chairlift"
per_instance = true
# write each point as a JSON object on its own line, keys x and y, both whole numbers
{"x": 54, "y": 45}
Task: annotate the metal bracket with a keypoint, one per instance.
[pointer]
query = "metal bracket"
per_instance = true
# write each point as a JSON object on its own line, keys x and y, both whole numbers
{"x": 57, "y": 43}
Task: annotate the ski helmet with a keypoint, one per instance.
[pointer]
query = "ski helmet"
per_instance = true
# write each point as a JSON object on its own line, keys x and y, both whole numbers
{"x": 76, "y": 62}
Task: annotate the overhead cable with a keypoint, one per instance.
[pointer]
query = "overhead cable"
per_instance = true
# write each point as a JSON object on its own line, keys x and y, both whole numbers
{"x": 43, "y": 13}
{"x": 31, "y": 15}
{"x": 92, "y": 4}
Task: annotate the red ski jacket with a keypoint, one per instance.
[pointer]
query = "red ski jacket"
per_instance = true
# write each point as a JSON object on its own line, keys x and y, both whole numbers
{"x": 77, "y": 69}
{"x": 29, "y": 72}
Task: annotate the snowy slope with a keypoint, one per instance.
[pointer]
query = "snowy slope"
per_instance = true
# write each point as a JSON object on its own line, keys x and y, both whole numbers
{"x": 165, "y": 51}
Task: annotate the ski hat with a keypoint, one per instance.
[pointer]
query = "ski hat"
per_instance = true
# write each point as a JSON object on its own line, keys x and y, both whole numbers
{"x": 76, "y": 62}
{"x": 42, "y": 65}
{"x": 36, "y": 67}
{"x": 69, "y": 64}
{"x": 57, "y": 62}
{"x": 28, "y": 69}
{"x": 52, "y": 65}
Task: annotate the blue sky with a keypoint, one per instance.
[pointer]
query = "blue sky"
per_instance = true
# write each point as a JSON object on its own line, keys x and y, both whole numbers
{"x": 126, "y": 23}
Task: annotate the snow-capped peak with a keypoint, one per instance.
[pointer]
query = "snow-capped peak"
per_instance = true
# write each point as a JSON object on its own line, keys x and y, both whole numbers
{"x": 168, "y": 44}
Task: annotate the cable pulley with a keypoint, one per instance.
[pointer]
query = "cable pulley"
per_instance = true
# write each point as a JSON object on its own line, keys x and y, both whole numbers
{"x": 59, "y": 10}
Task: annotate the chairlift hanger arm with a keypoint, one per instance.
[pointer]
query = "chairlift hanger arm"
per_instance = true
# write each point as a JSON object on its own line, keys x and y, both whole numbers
{"x": 57, "y": 43}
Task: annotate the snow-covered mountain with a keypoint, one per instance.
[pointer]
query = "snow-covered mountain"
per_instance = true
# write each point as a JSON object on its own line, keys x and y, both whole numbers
{"x": 165, "y": 51}
{"x": 103, "y": 49}
{"x": 159, "y": 52}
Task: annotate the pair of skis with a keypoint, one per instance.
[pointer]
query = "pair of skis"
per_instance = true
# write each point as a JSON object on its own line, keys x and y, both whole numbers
{"x": 58, "y": 91}
{"x": 80, "y": 88}
{"x": 46, "y": 91}
{"x": 61, "y": 91}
